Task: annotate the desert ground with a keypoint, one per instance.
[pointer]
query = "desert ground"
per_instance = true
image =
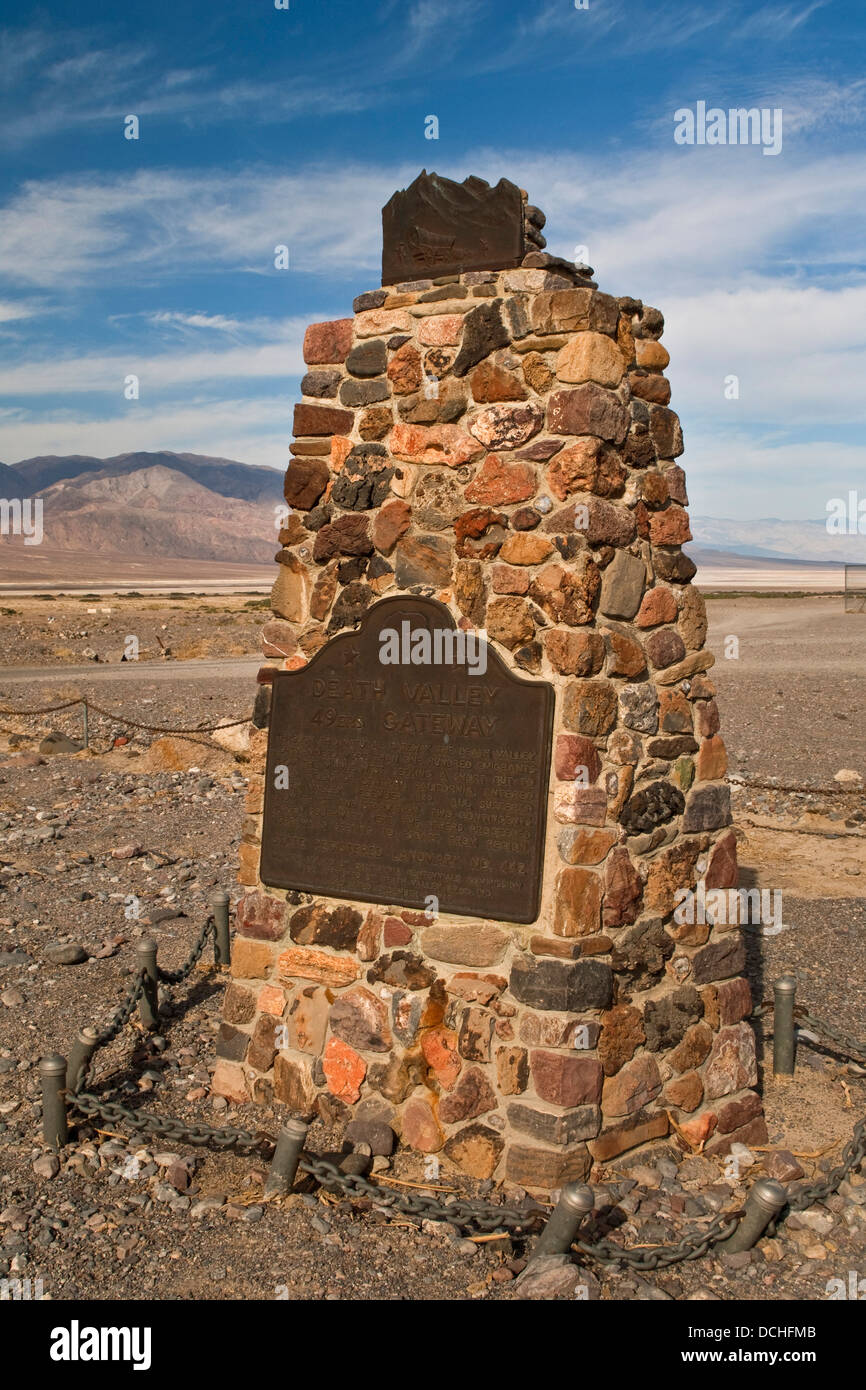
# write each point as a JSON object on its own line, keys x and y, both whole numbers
{"x": 157, "y": 819}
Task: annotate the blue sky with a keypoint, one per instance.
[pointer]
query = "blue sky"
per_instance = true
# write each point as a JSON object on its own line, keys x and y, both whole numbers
{"x": 261, "y": 126}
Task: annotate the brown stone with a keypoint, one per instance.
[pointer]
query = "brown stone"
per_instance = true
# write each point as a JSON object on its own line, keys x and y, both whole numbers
{"x": 621, "y": 1035}
{"x": 490, "y": 382}
{"x": 711, "y": 763}
{"x": 263, "y": 1044}
{"x": 578, "y": 902}
{"x": 685, "y": 1092}
{"x": 543, "y": 1170}
{"x": 251, "y": 960}
{"x": 476, "y": 1034}
{"x": 473, "y": 1095}
{"x": 574, "y": 653}
{"x": 291, "y": 588}
{"x": 404, "y": 370}
{"x": 736, "y": 1113}
{"x": 478, "y": 943}
{"x": 670, "y": 527}
{"x": 512, "y": 1070}
{"x": 278, "y": 637}
{"x": 625, "y": 655}
{"x": 588, "y": 465}
{"x": 375, "y": 422}
{"x": 658, "y": 606}
{"x": 526, "y": 548}
{"x": 421, "y": 1129}
{"x": 476, "y": 1150}
{"x": 575, "y": 756}
{"x": 423, "y": 560}
{"x": 731, "y": 1065}
{"x": 390, "y": 522}
{"x": 439, "y": 1046}
{"x": 588, "y": 409}
{"x": 579, "y": 845}
{"x": 239, "y": 1004}
{"x": 505, "y": 579}
{"x": 553, "y": 1127}
{"x": 434, "y": 444}
{"x": 260, "y": 916}
{"x": 319, "y": 420}
{"x": 328, "y": 342}
{"x": 637, "y": 1084}
{"x": 651, "y": 355}
{"x": 317, "y": 965}
{"x": 507, "y": 426}
{"x": 305, "y": 481}
{"x": 537, "y": 373}
{"x": 499, "y": 483}
{"x": 591, "y": 357}
{"x": 620, "y": 1138}
{"x": 693, "y": 618}
{"x": 665, "y": 431}
{"x": 650, "y": 387}
{"x": 348, "y": 535}
{"x": 720, "y": 959}
{"x": 469, "y": 591}
{"x": 589, "y": 707}
{"x": 229, "y": 1081}
{"x": 565, "y": 1080}
{"x": 509, "y": 621}
{"x": 293, "y": 1084}
{"x": 664, "y": 646}
{"x": 360, "y": 1019}
{"x": 578, "y": 805}
{"x": 307, "y": 1021}
{"x": 692, "y": 1051}
{"x": 623, "y": 888}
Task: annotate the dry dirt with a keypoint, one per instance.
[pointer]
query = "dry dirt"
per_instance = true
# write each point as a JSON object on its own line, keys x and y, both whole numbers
{"x": 110, "y": 1224}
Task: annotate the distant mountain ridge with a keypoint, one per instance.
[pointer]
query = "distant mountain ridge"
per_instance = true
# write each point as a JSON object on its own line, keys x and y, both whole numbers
{"x": 769, "y": 538}
{"x": 227, "y": 477}
{"x": 150, "y": 508}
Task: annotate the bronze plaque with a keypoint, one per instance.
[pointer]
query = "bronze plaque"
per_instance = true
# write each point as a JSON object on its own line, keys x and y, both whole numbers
{"x": 439, "y": 227}
{"x": 405, "y": 762}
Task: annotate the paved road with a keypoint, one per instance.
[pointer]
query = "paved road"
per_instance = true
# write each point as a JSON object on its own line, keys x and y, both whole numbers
{"x": 225, "y": 668}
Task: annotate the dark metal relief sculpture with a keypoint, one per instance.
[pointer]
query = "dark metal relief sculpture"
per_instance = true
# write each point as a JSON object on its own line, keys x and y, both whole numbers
{"x": 439, "y": 227}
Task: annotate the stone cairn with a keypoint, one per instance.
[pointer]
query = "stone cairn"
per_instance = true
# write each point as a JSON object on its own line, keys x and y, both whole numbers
{"x": 502, "y": 441}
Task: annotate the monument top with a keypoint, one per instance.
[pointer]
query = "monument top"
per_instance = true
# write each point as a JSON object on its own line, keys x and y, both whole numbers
{"x": 439, "y": 227}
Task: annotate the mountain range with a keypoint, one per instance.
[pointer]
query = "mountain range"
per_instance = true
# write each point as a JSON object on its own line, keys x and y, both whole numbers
{"x": 164, "y": 513}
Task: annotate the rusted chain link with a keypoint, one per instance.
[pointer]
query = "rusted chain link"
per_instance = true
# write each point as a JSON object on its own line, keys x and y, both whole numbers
{"x": 48, "y": 709}
{"x": 124, "y": 1012}
{"x": 174, "y": 977}
{"x": 123, "y": 719}
{"x": 691, "y": 1247}
{"x": 737, "y": 781}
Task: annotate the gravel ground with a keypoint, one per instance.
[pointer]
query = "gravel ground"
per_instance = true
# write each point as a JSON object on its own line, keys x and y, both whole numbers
{"x": 88, "y": 841}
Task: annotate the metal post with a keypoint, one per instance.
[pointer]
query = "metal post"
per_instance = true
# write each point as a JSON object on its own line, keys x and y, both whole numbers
{"x": 86, "y": 727}
{"x": 287, "y": 1155}
{"x": 52, "y": 1072}
{"x": 575, "y": 1201}
{"x": 148, "y": 1004}
{"x": 763, "y": 1204}
{"x": 79, "y": 1058}
{"x": 783, "y": 1026}
{"x": 222, "y": 950}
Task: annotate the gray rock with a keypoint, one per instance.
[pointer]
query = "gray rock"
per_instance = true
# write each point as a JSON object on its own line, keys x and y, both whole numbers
{"x": 48, "y": 1166}
{"x": 622, "y": 586}
{"x": 66, "y": 955}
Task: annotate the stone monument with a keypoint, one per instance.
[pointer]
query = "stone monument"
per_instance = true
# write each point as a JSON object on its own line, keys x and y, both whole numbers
{"x": 478, "y": 886}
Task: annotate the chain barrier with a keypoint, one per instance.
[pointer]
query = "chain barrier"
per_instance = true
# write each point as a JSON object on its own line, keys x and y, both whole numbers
{"x": 737, "y": 781}
{"x": 463, "y": 1213}
{"x": 124, "y": 719}
{"x": 175, "y": 977}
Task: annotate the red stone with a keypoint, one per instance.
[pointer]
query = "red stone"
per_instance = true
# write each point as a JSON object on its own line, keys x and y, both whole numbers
{"x": 344, "y": 1070}
{"x": 723, "y": 871}
{"x": 421, "y": 1130}
{"x": 565, "y": 1080}
{"x": 328, "y": 342}
{"x": 260, "y": 916}
{"x": 576, "y": 757}
{"x": 498, "y": 483}
{"x": 658, "y": 606}
{"x": 390, "y": 522}
{"x": 623, "y": 889}
{"x": 321, "y": 419}
{"x": 439, "y": 1046}
{"x": 492, "y": 383}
